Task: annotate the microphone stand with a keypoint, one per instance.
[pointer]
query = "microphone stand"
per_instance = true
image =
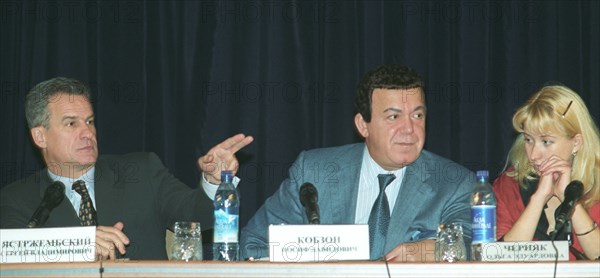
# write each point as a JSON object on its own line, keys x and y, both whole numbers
{"x": 568, "y": 230}
{"x": 578, "y": 255}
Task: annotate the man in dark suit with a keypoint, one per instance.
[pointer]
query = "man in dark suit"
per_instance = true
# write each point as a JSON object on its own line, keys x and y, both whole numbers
{"x": 426, "y": 190}
{"x": 134, "y": 195}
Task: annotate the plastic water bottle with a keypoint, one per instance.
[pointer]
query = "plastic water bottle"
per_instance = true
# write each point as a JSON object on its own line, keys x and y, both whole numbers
{"x": 483, "y": 214}
{"x": 227, "y": 216}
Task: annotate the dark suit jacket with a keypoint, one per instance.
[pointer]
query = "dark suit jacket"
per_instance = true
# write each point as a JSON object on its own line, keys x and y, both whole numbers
{"x": 134, "y": 188}
{"x": 434, "y": 190}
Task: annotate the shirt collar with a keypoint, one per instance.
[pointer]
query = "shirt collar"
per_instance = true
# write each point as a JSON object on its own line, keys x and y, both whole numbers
{"x": 88, "y": 178}
{"x": 375, "y": 169}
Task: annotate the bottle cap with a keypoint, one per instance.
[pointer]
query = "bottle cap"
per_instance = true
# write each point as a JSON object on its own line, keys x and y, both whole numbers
{"x": 483, "y": 174}
{"x": 226, "y": 176}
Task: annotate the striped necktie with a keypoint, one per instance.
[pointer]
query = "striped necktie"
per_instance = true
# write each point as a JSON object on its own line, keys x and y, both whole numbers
{"x": 87, "y": 213}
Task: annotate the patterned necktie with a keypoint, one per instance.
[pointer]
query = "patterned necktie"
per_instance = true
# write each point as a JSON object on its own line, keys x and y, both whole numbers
{"x": 379, "y": 219}
{"x": 87, "y": 213}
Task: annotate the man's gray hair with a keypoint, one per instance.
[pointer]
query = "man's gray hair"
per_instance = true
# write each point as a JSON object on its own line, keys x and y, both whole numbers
{"x": 36, "y": 101}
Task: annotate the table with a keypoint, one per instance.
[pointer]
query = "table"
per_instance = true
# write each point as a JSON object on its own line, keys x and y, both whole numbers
{"x": 327, "y": 269}
{"x": 51, "y": 270}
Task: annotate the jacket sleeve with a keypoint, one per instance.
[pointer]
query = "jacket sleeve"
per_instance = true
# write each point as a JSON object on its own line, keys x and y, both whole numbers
{"x": 282, "y": 208}
{"x": 12, "y": 215}
{"x": 176, "y": 201}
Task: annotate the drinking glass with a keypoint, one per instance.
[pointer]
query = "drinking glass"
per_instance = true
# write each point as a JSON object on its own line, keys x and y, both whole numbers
{"x": 187, "y": 242}
{"x": 450, "y": 245}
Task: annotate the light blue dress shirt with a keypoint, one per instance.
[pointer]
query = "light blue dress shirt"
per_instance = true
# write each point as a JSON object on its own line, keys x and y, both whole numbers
{"x": 71, "y": 194}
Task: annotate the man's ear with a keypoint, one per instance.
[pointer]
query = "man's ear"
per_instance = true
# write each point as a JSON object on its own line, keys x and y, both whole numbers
{"x": 577, "y": 142}
{"x": 38, "y": 134}
{"x": 361, "y": 125}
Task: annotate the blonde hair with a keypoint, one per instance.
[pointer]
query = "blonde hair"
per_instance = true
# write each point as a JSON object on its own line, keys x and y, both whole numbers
{"x": 560, "y": 111}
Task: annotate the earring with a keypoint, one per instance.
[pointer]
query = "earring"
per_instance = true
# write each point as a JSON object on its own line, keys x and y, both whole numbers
{"x": 574, "y": 153}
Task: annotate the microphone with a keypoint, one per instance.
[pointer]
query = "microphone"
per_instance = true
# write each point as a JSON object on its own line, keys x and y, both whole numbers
{"x": 308, "y": 199}
{"x": 53, "y": 196}
{"x": 573, "y": 192}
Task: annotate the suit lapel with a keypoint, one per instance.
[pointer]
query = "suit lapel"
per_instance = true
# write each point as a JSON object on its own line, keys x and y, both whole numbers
{"x": 344, "y": 211}
{"x": 414, "y": 190}
{"x": 104, "y": 180}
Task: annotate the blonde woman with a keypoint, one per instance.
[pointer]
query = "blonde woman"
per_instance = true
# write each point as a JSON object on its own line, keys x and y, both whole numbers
{"x": 558, "y": 142}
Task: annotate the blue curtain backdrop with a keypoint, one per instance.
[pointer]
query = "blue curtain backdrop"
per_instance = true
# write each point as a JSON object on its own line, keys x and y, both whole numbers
{"x": 177, "y": 77}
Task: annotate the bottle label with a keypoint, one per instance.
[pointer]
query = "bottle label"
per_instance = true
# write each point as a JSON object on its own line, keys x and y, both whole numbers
{"x": 483, "y": 219}
{"x": 226, "y": 227}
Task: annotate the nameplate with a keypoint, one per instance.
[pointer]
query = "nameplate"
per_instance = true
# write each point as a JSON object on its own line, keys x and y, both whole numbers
{"x": 45, "y": 245}
{"x": 318, "y": 243}
{"x": 525, "y": 251}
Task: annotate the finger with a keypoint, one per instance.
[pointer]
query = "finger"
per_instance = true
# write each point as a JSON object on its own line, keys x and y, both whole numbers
{"x": 228, "y": 148}
{"x": 109, "y": 243}
{"x": 235, "y": 143}
{"x": 235, "y": 148}
{"x": 207, "y": 158}
{"x": 555, "y": 166}
{"x": 547, "y": 162}
{"x": 119, "y": 226}
{"x": 111, "y": 237}
{"x": 111, "y": 255}
{"x": 553, "y": 161}
{"x": 394, "y": 254}
{"x": 113, "y": 233}
{"x": 229, "y": 142}
{"x": 391, "y": 257}
{"x": 104, "y": 250}
{"x": 206, "y": 164}
{"x": 233, "y": 165}
{"x": 99, "y": 255}
{"x": 559, "y": 169}
{"x": 123, "y": 239}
